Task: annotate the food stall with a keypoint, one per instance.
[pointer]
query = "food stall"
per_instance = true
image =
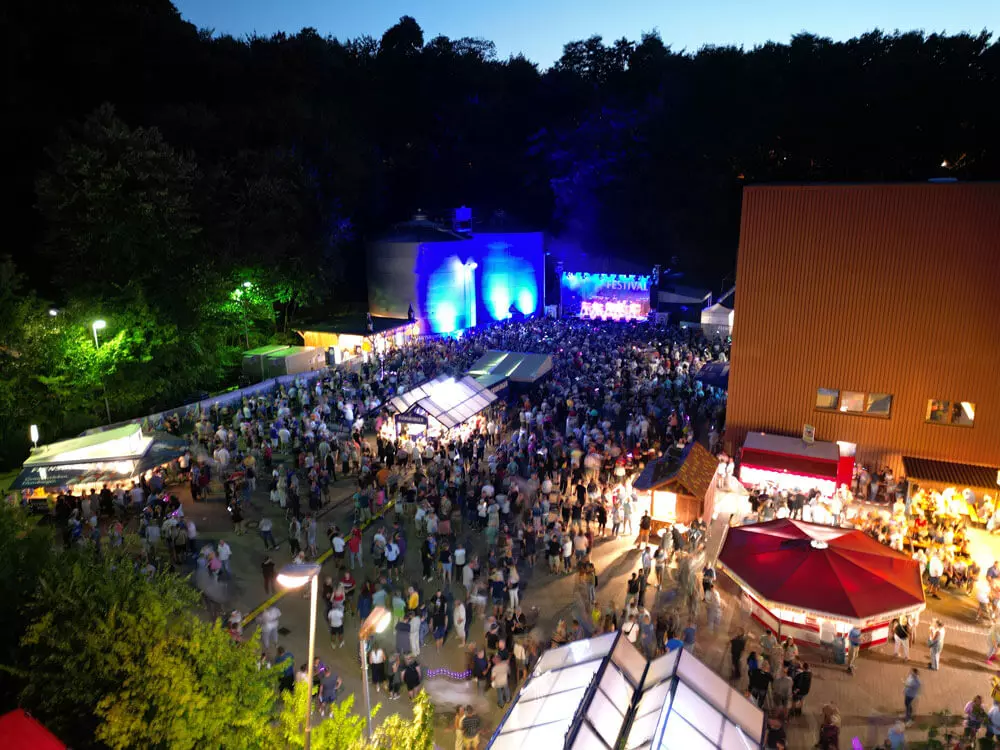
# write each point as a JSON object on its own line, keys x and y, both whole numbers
{"x": 673, "y": 489}
{"x": 811, "y": 582}
{"x": 436, "y": 407}
{"x": 790, "y": 463}
{"x": 350, "y": 336}
{"x": 119, "y": 455}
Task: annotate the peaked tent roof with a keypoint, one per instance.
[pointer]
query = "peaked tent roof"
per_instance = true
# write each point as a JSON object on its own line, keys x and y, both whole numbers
{"x": 126, "y": 441}
{"x": 519, "y": 367}
{"x": 832, "y": 571}
{"x": 18, "y": 731}
{"x": 446, "y": 399}
{"x": 694, "y": 470}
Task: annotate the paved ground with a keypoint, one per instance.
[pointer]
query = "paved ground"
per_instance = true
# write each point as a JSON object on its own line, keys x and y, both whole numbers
{"x": 869, "y": 702}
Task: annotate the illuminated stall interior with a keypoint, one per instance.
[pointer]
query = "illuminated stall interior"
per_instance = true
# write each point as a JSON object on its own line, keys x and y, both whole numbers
{"x": 88, "y": 462}
{"x": 602, "y": 693}
{"x": 348, "y": 337}
{"x": 790, "y": 463}
{"x": 674, "y": 489}
{"x": 811, "y": 581}
{"x": 966, "y": 489}
{"x": 439, "y": 405}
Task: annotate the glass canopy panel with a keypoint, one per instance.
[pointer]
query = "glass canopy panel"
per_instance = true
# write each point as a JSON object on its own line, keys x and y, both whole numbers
{"x": 545, "y": 736}
{"x": 697, "y": 712}
{"x": 679, "y": 735}
{"x": 660, "y": 669}
{"x": 616, "y": 687}
{"x": 734, "y": 738}
{"x": 695, "y": 674}
{"x": 632, "y": 663}
{"x": 744, "y": 713}
{"x": 642, "y": 730}
{"x": 605, "y": 718}
{"x": 587, "y": 739}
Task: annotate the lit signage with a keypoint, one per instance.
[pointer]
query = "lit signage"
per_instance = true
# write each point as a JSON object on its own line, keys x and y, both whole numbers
{"x": 605, "y": 295}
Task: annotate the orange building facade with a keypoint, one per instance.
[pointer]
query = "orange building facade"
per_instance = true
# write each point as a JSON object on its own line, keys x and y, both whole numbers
{"x": 872, "y": 313}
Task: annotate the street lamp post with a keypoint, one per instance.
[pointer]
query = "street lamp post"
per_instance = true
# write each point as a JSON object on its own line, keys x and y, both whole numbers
{"x": 242, "y": 296}
{"x": 376, "y": 622}
{"x": 294, "y": 576}
{"x": 100, "y": 325}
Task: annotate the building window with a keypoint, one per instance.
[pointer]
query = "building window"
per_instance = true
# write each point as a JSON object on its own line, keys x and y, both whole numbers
{"x": 827, "y": 398}
{"x": 854, "y": 402}
{"x": 957, "y": 413}
{"x": 878, "y": 404}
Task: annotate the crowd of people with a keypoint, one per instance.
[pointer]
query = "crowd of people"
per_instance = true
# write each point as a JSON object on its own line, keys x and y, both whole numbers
{"x": 525, "y": 487}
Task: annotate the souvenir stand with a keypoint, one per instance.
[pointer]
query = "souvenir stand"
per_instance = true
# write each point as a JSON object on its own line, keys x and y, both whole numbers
{"x": 811, "y": 582}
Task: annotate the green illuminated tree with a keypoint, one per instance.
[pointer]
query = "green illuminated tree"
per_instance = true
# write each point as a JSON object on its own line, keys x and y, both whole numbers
{"x": 193, "y": 688}
{"x": 341, "y": 730}
{"x": 413, "y": 734}
{"x": 115, "y": 656}
{"x": 25, "y": 550}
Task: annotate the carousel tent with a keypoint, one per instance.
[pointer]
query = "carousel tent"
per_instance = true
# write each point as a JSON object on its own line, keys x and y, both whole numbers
{"x": 518, "y": 367}
{"x": 601, "y": 694}
{"x": 448, "y": 401}
{"x": 18, "y": 731}
{"x": 835, "y": 573}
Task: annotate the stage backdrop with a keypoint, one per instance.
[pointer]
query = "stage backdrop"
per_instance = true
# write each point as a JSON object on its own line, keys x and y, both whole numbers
{"x": 458, "y": 284}
{"x": 605, "y": 295}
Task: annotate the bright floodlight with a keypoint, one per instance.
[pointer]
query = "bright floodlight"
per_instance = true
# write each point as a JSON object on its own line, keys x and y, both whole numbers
{"x": 34, "y": 433}
{"x": 247, "y": 284}
{"x": 384, "y": 620}
{"x": 99, "y": 325}
{"x": 297, "y": 575}
{"x": 53, "y": 312}
{"x": 376, "y": 622}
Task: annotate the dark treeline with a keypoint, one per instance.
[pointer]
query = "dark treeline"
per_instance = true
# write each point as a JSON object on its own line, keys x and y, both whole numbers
{"x": 152, "y": 168}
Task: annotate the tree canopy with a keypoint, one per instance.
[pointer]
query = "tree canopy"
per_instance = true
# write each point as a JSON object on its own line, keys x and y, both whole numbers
{"x": 108, "y": 655}
{"x": 165, "y": 165}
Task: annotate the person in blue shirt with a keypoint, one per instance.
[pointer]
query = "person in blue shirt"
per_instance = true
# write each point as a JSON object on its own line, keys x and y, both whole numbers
{"x": 688, "y": 636}
{"x": 854, "y": 645}
{"x": 285, "y": 662}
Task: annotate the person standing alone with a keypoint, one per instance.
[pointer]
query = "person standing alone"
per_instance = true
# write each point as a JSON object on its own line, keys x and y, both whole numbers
{"x": 911, "y": 689}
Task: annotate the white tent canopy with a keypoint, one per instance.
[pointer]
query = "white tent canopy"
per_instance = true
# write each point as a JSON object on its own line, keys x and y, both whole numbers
{"x": 599, "y": 693}
{"x": 445, "y": 399}
{"x": 119, "y": 444}
{"x": 518, "y": 367}
{"x": 718, "y": 316}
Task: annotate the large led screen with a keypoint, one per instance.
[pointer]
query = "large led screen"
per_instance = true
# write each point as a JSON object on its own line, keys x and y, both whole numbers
{"x": 607, "y": 296}
{"x": 458, "y": 284}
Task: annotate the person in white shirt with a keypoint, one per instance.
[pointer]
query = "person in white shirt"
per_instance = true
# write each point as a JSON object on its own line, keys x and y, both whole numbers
{"x": 269, "y": 627}
{"x": 459, "y": 620}
{"x": 224, "y": 552}
{"x": 336, "y": 619}
{"x": 935, "y": 569}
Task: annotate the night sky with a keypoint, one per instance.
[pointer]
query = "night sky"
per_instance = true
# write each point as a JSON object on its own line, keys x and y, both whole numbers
{"x": 539, "y": 28}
